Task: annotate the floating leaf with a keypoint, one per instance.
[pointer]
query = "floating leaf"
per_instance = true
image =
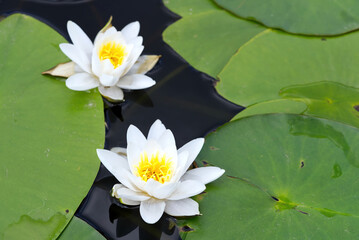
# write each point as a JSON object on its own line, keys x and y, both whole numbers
{"x": 274, "y": 61}
{"x": 80, "y": 230}
{"x": 310, "y": 17}
{"x": 49, "y": 134}
{"x": 274, "y": 106}
{"x": 190, "y": 7}
{"x": 208, "y": 40}
{"x": 327, "y": 99}
{"x": 288, "y": 177}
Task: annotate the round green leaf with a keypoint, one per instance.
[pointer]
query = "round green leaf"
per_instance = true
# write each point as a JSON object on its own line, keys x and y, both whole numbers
{"x": 274, "y": 61}
{"x": 190, "y": 7}
{"x": 274, "y": 106}
{"x": 287, "y": 177}
{"x": 49, "y": 134}
{"x": 327, "y": 99}
{"x": 310, "y": 17}
{"x": 208, "y": 40}
{"x": 80, "y": 230}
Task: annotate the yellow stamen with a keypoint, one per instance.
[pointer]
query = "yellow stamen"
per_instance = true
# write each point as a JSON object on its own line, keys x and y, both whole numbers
{"x": 157, "y": 167}
{"x": 113, "y": 51}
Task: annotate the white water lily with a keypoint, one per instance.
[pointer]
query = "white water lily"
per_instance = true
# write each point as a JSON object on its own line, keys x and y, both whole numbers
{"x": 111, "y": 63}
{"x": 154, "y": 174}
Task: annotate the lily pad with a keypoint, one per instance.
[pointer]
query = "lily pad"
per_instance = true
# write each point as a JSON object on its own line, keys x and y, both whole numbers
{"x": 49, "y": 134}
{"x": 311, "y": 17}
{"x": 80, "y": 230}
{"x": 327, "y": 99}
{"x": 208, "y": 40}
{"x": 190, "y": 7}
{"x": 274, "y": 106}
{"x": 274, "y": 61}
{"x": 288, "y": 177}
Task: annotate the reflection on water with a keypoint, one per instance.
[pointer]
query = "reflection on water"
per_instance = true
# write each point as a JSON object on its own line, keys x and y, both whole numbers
{"x": 183, "y": 98}
{"x": 61, "y": 2}
{"x": 130, "y": 222}
{"x": 117, "y": 221}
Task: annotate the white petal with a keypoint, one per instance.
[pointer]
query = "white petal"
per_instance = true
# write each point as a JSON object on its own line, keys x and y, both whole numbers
{"x": 129, "y": 202}
{"x": 115, "y": 188}
{"x": 167, "y": 141}
{"x": 134, "y": 135}
{"x": 114, "y": 93}
{"x": 137, "y": 41}
{"x": 152, "y": 148}
{"x": 112, "y": 161}
{"x": 126, "y": 201}
{"x": 100, "y": 35}
{"x": 76, "y": 56}
{"x": 118, "y": 72}
{"x": 183, "y": 207}
{"x": 135, "y": 81}
{"x": 187, "y": 189}
{"x": 116, "y": 37}
{"x": 156, "y": 130}
{"x": 96, "y": 64}
{"x": 159, "y": 190}
{"x": 111, "y": 36}
{"x": 136, "y": 142}
{"x": 131, "y": 30}
{"x": 107, "y": 80}
{"x": 107, "y": 67}
{"x": 193, "y": 148}
{"x": 180, "y": 169}
{"x": 132, "y": 195}
{"x": 79, "y": 38}
{"x": 204, "y": 174}
{"x": 125, "y": 177}
{"x": 151, "y": 210}
{"x": 144, "y": 64}
{"x": 82, "y": 82}
{"x": 168, "y": 146}
{"x": 138, "y": 182}
{"x": 134, "y": 152}
{"x": 134, "y": 55}
{"x": 119, "y": 150}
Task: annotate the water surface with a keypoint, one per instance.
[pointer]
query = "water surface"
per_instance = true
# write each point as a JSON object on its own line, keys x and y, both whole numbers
{"x": 183, "y": 98}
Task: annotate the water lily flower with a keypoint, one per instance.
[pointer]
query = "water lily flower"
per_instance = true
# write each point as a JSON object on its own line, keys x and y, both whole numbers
{"x": 111, "y": 63}
{"x": 154, "y": 173}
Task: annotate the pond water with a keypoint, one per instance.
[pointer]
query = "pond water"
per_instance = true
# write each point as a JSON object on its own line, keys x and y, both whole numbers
{"x": 183, "y": 98}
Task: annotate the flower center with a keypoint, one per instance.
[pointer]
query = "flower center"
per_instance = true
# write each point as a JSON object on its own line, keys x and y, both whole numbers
{"x": 113, "y": 51}
{"x": 157, "y": 167}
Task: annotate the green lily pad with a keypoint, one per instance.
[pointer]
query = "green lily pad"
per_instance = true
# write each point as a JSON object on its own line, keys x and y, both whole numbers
{"x": 274, "y": 61}
{"x": 190, "y": 7}
{"x": 80, "y": 230}
{"x": 49, "y": 134}
{"x": 327, "y": 99}
{"x": 287, "y": 177}
{"x": 208, "y": 40}
{"x": 310, "y": 17}
{"x": 274, "y": 106}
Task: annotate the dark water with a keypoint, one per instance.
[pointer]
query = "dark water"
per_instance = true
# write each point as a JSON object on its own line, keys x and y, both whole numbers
{"x": 183, "y": 98}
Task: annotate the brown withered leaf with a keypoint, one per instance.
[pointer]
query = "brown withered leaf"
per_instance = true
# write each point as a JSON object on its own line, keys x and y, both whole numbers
{"x": 62, "y": 70}
{"x": 144, "y": 64}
